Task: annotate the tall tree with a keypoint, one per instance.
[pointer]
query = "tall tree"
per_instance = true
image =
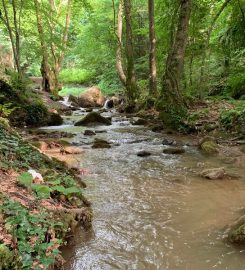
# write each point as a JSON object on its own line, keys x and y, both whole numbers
{"x": 171, "y": 86}
{"x": 11, "y": 17}
{"x": 152, "y": 50}
{"x": 119, "y": 32}
{"x": 53, "y": 40}
{"x": 131, "y": 86}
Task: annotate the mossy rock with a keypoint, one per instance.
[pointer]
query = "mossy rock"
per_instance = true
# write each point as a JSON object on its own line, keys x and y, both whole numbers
{"x": 237, "y": 232}
{"x": 93, "y": 118}
{"x": 55, "y": 119}
{"x": 208, "y": 145}
{"x": 6, "y": 257}
{"x": 98, "y": 143}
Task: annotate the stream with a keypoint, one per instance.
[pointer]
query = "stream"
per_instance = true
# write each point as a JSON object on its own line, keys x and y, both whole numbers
{"x": 154, "y": 212}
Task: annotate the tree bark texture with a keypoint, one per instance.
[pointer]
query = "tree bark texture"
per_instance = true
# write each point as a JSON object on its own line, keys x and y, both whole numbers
{"x": 171, "y": 86}
{"x": 152, "y": 50}
{"x": 131, "y": 85}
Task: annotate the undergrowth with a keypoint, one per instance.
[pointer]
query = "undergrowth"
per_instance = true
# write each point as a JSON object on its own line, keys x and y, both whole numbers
{"x": 37, "y": 233}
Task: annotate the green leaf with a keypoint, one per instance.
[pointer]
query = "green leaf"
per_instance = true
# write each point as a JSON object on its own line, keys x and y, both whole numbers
{"x": 60, "y": 189}
{"x": 25, "y": 179}
{"x": 72, "y": 190}
{"x": 42, "y": 191}
{"x": 55, "y": 182}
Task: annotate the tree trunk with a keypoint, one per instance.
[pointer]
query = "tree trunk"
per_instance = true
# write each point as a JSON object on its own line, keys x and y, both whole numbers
{"x": 14, "y": 38}
{"x": 175, "y": 61}
{"x": 118, "y": 33}
{"x": 131, "y": 85}
{"x": 152, "y": 52}
{"x": 119, "y": 59}
{"x": 45, "y": 68}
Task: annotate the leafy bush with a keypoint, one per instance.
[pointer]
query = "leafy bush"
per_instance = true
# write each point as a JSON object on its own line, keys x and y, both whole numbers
{"x": 234, "y": 119}
{"x": 174, "y": 116}
{"x": 75, "y": 75}
{"x": 236, "y": 85}
{"x": 30, "y": 230}
{"x": 19, "y": 83}
{"x": 6, "y": 109}
{"x": 36, "y": 114}
{"x": 108, "y": 88}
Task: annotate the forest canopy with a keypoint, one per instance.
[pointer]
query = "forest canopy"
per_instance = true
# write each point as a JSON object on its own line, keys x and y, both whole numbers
{"x": 156, "y": 52}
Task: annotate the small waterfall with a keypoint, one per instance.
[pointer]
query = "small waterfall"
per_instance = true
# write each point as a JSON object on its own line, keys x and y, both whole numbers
{"x": 66, "y": 101}
{"x": 109, "y": 104}
{"x": 106, "y": 104}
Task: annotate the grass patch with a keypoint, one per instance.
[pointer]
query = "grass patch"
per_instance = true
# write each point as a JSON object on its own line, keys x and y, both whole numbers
{"x": 74, "y": 91}
{"x": 76, "y": 76}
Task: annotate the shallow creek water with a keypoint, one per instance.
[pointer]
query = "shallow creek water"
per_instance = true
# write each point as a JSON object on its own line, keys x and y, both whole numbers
{"x": 155, "y": 212}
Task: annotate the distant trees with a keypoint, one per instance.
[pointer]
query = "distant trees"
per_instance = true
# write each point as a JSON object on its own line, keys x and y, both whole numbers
{"x": 181, "y": 63}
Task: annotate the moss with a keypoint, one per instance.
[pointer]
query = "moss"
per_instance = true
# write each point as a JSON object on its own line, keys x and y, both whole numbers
{"x": 237, "y": 234}
{"x": 209, "y": 147}
{"x": 6, "y": 257}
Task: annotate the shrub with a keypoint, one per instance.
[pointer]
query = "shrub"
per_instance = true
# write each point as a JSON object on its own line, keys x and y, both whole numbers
{"x": 19, "y": 82}
{"x": 233, "y": 120}
{"x": 236, "y": 85}
{"x": 75, "y": 75}
{"x": 174, "y": 116}
{"x": 37, "y": 114}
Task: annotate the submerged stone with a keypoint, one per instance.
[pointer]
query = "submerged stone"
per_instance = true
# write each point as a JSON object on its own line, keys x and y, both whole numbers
{"x": 174, "y": 151}
{"x": 88, "y": 132}
{"x": 99, "y": 143}
{"x": 143, "y": 154}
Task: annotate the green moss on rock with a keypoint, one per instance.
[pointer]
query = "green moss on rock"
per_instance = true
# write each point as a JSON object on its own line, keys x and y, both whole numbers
{"x": 208, "y": 145}
{"x": 237, "y": 232}
{"x": 6, "y": 257}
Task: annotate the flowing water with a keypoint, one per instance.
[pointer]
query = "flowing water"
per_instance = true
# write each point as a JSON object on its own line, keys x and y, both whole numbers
{"x": 155, "y": 212}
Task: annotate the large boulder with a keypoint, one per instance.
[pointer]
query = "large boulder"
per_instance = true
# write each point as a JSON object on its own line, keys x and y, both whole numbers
{"x": 55, "y": 119}
{"x": 93, "y": 97}
{"x": 93, "y": 118}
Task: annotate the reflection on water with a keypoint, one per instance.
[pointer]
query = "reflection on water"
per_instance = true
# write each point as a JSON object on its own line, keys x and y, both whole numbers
{"x": 155, "y": 213}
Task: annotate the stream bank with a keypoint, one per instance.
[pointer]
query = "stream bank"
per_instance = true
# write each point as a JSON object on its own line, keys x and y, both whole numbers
{"x": 41, "y": 203}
